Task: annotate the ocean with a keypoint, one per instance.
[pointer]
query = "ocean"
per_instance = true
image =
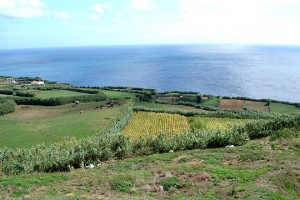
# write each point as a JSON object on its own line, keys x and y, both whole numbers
{"x": 226, "y": 70}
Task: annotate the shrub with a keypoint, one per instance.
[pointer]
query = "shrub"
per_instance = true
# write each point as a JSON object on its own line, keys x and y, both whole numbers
{"x": 24, "y": 94}
{"x": 8, "y": 92}
{"x": 7, "y": 107}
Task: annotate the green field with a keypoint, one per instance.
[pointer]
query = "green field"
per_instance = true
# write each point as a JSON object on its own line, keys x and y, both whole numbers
{"x": 118, "y": 95}
{"x": 31, "y": 125}
{"x": 212, "y": 101}
{"x": 284, "y": 108}
{"x": 166, "y": 106}
{"x": 55, "y": 93}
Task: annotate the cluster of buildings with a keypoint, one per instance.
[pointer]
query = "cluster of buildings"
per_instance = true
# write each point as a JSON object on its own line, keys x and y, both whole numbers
{"x": 12, "y": 80}
{"x": 8, "y": 80}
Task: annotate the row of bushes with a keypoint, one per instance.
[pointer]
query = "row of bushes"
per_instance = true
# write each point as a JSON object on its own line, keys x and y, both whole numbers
{"x": 87, "y": 91}
{"x": 57, "y": 100}
{"x": 195, "y": 105}
{"x": 218, "y": 113}
{"x": 24, "y": 94}
{"x": 111, "y": 144}
{"x": 180, "y": 92}
{"x": 7, "y": 107}
{"x": 7, "y": 92}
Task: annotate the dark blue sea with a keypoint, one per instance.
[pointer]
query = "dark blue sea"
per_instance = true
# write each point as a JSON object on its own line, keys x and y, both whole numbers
{"x": 227, "y": 70}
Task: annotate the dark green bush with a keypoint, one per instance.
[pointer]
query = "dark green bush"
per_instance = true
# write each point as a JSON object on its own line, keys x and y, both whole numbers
{"x": 7, "y": 92}
{"x": 24, "y": 94}
{"x": 7, "y": 107}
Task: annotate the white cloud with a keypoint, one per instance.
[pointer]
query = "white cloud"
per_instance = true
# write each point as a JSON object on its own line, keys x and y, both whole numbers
{"x": 22, "y": 8}
{"x": 98, "y": 8}
{"x": 137, "y": 18}
{"x": 236, "y": 21}
{"x": 142, "y": 4}
{"x": 107, "y": 6}
{"x": 62, "y": 15}
{"x": 93, "y": 16}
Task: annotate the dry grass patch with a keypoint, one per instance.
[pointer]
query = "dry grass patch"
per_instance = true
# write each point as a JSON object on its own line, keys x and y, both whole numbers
{"x": 232, "y": 104}
{"x": 256, "y": 106}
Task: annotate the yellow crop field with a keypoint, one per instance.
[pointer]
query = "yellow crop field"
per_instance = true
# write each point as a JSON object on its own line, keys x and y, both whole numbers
{"x": 143, "y": 123}
{"x": 216, "y": 123}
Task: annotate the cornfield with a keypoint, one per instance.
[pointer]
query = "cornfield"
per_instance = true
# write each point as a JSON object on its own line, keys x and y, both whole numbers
{"x": 143, "y": 123}
{"x": 209, "y": 123}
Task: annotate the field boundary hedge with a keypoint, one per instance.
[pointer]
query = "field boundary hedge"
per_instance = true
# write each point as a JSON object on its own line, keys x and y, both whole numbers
{"x": 218, "y": 113}
{"x": 55, "y": 101}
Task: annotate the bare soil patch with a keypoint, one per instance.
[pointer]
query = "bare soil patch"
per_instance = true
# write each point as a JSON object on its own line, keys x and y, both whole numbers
{"x": 231, "y": 104}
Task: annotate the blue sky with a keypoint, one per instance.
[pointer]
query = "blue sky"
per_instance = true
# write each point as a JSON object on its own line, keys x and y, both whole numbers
{"x": 53, "y": 23}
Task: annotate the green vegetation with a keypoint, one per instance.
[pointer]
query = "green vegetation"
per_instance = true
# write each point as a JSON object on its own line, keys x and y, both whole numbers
{"x": 165, "y": 106}
{"x": 32, "y": 125}
{"x": 212, "y": 101}
{"x": 71, "y": 136}
{"x": 7, "y": 107}
{"x": 55, "y": 93}
{"x": 284, "y": 108}
{"x": 211, "y": 123}
{"x": 118, "y": 95}
{"x": 178, "y": 175}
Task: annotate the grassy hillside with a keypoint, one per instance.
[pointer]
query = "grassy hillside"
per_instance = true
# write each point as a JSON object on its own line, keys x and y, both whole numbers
{"x": 261, "y": 169}
{"x": 31, "y": 125}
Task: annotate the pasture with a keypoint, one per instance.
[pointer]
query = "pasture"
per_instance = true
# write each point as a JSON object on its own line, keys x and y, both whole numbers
{"x": 31, "y": 125}
{"x": 55, "y": 93}
{"x": 119, "y": 95}
{"x": 284, "y": 108}
{"x": 167, "y": 106}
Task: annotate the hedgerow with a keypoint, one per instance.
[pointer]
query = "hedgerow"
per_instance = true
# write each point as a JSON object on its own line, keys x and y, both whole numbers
{"x": 55, "y": 101}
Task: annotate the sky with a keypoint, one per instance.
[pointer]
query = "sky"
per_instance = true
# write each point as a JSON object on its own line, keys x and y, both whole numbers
{"x": 55, "y": 23}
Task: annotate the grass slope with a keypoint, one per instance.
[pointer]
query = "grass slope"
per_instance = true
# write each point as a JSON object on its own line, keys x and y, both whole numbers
{"x": 31, "y": 125}
{"x": 260, "y": 169}
{"x": 284, "y": 108}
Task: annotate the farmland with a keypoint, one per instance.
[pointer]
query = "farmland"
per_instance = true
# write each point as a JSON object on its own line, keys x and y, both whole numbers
{"x": 55, "y": 93}
{"x": 142, "y": 149}
{"x": 143, "y": 123}
{"x": 210, "y": 123}
{"x": 31, "y": 125}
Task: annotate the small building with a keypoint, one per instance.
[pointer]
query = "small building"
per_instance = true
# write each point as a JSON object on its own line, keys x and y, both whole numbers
{"x": 37, "y": 82}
